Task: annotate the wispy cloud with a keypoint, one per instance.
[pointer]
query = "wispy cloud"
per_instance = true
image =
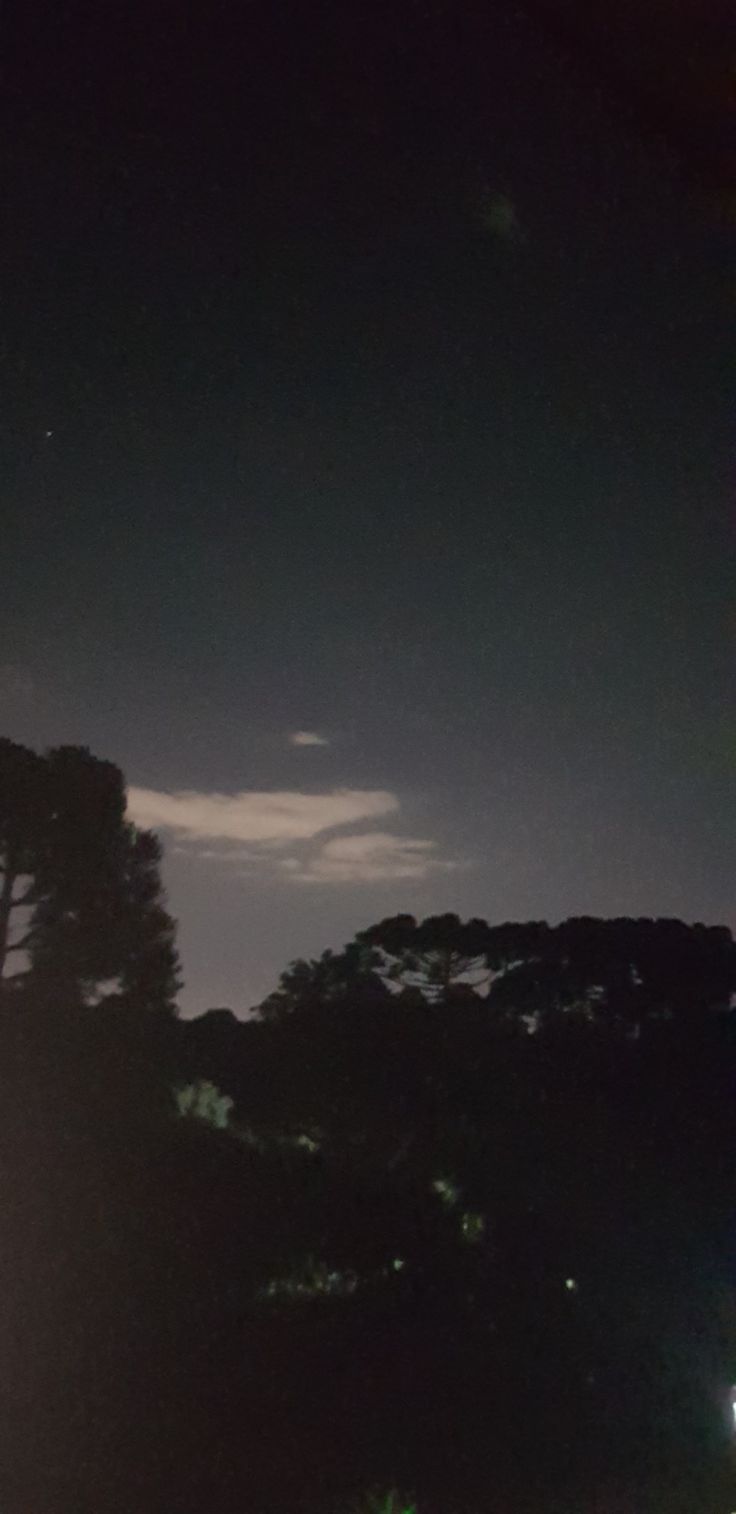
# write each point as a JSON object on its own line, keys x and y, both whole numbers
{"x": 375, "y": 857}
{"x": 255, "y": 817}
{"x": 307, "y": 738}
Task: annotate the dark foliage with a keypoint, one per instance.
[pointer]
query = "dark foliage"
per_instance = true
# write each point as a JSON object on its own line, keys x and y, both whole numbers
{"x": 81, "y": 906}
{"x": 476, "y": 1247}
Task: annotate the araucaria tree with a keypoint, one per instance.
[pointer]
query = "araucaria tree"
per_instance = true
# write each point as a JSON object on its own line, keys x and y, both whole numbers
{"x": 82, "y": 912}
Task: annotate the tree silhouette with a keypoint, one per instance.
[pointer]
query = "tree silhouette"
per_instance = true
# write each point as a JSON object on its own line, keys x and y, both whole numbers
{"x": 353, "y": 972}
{"x": 621, "y": 975}
{"x": 433, "y": 956}
{"x": 81, "y": 903}
{"x": 23, "y": 809}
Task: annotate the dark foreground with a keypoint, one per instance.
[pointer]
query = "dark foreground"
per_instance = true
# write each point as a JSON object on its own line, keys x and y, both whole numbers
{"x": 575, "y": 1355}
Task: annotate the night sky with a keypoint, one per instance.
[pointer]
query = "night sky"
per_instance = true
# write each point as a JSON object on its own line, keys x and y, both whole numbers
{"x": 366, "y": 462}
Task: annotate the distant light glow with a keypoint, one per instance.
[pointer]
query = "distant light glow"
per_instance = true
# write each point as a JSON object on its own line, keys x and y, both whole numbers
{"x": 571, "y": 1284}
{"x": 310, "y": 1281}
{"x": 472, "y": 1225}
{"x": 201, "y": 1100}
{"x": 446, "y": 1190}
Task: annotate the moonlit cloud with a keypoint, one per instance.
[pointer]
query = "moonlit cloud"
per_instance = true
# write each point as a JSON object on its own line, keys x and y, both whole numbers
{"x": 251, "y": 816}
{"x": 307, "y": 738}
{"x": 375, "y": 857}
{"x": 246, "y": 828}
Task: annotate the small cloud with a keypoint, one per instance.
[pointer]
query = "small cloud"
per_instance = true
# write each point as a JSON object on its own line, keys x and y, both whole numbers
{"x": 307, "y": 738}
{"x": 375, "y": 857}
{"x": 255, "y": 817}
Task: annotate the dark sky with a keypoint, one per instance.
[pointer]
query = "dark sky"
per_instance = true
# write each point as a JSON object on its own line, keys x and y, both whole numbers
{"x": 366, "y": 374}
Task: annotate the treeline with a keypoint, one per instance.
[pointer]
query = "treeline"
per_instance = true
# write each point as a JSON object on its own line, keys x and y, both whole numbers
{"x": 450, "y": 1214}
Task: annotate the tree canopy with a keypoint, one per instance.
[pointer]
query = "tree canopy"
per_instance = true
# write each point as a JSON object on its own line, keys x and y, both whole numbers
{"x": 81, "y": 903}
{"x": 618, "y": 974}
